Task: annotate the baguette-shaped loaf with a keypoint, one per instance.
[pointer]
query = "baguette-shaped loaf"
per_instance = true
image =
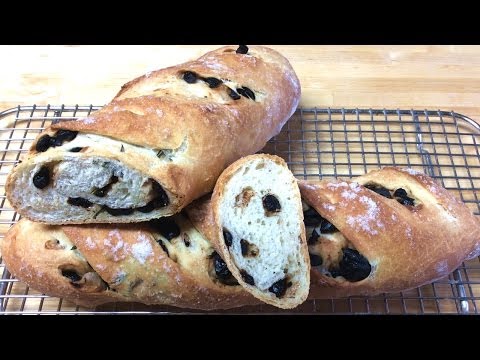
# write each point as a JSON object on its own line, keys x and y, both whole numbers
{"x": 160, "y": 143}
{"x": 389, "y": 230}
{"x": 259, "y": 230}
{"x": 163, "y": 262}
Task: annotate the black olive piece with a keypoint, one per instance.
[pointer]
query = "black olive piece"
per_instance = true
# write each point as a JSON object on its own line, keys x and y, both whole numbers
{"x": 379, "y": 190}
{"x": 213, "y": 82}
{"x": 279, "y": 288}
{"x": 166, "y": 227}
{"x": 118, "y": 212}
{"x": 247, "y": 277}
{"x": 190, "y": 77}
{"x": 327, "y": 227}
{"x": 73, "y": 247}
{"x": 271, "y": 203}
{"x": 311, "y": 217}
{"x": 400, "y": 193}
{"x": 246, "y": 92}
{"x": 402, "y": 197}
{"x": 161, "y": 198}
{"x": 44, "y": 143}
{"x": 406, "y": 201}
{"x": 64, "y": 135}
{"x": 313, "y": 238}
{"x": 353, "y": 266}
{"x": 76, "y": 149}
{"x": 242, "y": 49}
{"x": 42, "y": 178}
{"x": 221, "y": 269}
{"x": 72, "y": 275}
{"x": 100, "y": 192}
{"x": 164, "y": 248}
{"x": 147, "y": 208}
{"x": 244, "y": 245}
{"x": 78, "y": 201}
{"x": 227, "y": 237}
{"x": 233, "y": 94}
{"x": 315, "y": 260}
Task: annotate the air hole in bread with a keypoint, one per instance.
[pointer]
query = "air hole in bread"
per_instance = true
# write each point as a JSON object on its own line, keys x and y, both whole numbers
{"x": 248, "y": 249}
{"x": 242, "y": 200}
{"x": 54, "y": 245}
{"x": 104, "y": 190}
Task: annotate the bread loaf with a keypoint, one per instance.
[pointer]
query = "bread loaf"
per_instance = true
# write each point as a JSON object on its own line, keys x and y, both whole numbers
{"x": 389, "y": 230}
{"x": 163, "y": 262}
{"x": 160, "y": 143}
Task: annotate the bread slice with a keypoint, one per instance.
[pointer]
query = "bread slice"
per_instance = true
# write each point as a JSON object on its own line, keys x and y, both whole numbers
{"x": 258, "y": 218}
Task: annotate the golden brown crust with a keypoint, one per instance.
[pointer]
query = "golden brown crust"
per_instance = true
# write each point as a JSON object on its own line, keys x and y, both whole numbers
{"x": 132, "y": 265}
{"x": 406, "y": 246}
{"x": 161, "y": 111}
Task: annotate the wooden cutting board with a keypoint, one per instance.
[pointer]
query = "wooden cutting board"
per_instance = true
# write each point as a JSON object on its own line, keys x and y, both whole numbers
{"x": 434, "y": 77}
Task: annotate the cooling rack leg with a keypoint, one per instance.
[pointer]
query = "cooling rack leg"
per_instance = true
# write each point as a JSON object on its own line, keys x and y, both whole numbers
{"x": 3, "y": 288}
{"x": 464, "y": 308}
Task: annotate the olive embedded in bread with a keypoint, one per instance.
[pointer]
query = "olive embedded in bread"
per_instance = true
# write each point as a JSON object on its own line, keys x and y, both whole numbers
{"x": 44, "y": 143}
{"x": 227, "y": 237}
{"x": 279, "y": 288}
{"x": 271, "y": 203}
{"x": 247, "y": 277}
{"x": 212, "y": 82}
{"x": 167, "y": 227}
{"x": 379, "y": 190}
{"x": 78, "y": 201}
{"x": 42, "y": 178}
{"x": 190, "y": 77}
{"x": 246, "y": 92}
{"x": 353, "y": 266}
{"x": 233, "y": 94}
{"x": 72, "y": 275}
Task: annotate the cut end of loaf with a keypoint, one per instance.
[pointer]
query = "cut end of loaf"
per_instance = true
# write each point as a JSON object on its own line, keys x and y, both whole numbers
{"x": 63, "y": 186}
{"x": 259, "y": 214}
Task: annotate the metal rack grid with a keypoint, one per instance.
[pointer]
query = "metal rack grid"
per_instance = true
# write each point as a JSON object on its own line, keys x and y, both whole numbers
{"x": 316, "y": 143}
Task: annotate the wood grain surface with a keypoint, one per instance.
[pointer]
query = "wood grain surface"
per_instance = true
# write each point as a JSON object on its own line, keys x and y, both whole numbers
{"x": 434, "y": 77}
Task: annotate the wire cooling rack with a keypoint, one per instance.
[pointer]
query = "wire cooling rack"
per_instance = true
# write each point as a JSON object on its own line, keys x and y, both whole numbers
{"x": 316, "y": 143}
